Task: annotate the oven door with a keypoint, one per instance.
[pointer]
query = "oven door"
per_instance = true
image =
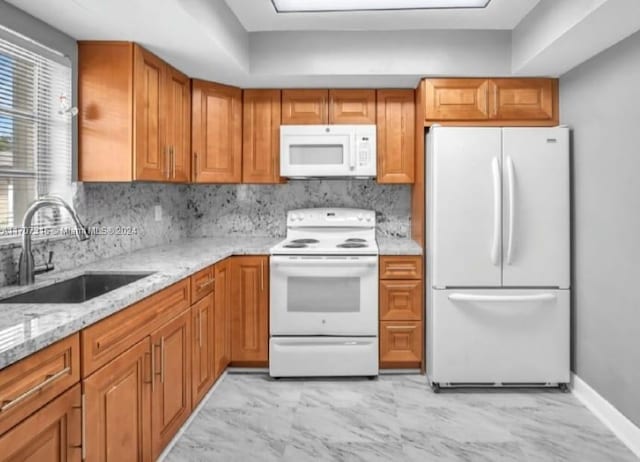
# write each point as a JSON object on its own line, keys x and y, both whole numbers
{"x": 317, "y": 155}
{"x": 324, "y": 295}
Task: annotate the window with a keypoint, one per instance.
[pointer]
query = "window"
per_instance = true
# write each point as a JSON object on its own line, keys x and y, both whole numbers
{"x": 35, "y": 130}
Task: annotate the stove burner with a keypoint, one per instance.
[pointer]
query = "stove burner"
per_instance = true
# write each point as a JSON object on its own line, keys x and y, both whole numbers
{"x": 356, "y": 239}
{"x": 351, "y": 245}
{"x": 295, "y": 246}
{"x": 305, "y": 241}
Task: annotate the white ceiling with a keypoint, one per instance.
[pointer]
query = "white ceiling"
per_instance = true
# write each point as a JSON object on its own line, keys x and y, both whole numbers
{"x": 260, "y": 15}
{"x": 245, "y": 43}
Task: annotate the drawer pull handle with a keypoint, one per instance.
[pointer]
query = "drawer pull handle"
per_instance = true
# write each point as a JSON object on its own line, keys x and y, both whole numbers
{"x": 206, "y": 284}
{"x": 8, "y": 404}
{"x": 401, "y": 327}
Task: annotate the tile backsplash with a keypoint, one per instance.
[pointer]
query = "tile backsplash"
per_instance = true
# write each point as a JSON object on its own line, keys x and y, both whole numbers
{"x": 218, "y": 210}
{"x": 202, "y": 210}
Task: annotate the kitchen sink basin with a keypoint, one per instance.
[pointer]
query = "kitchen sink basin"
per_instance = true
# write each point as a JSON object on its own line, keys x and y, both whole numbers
{"x": 77, "y": 290}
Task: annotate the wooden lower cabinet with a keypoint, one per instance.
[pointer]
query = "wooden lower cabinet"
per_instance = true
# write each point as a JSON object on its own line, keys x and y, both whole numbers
{"x": 28, "y": 385}
{"x": 118, "y": 408}
{"x": 400, "y": 344}
{"x": 222, "y": 317}
{"x": 52, "y": 434}
{"x": 401, "y": 300}
{"x": 250, "y": 310}
{"x": 202, "y": 353}
{"x": 171, "y": 395}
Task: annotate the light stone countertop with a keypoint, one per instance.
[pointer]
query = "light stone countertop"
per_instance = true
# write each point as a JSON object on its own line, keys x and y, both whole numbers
{"x": 398, "y": 246}
{"x": 28, "y": 328}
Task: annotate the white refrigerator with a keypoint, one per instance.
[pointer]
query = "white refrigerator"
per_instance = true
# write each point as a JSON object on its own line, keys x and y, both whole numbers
{"x": 498, "y": 247}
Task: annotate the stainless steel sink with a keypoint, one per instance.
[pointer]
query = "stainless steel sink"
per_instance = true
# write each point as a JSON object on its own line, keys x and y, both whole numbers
{"x": 77, "y": 290}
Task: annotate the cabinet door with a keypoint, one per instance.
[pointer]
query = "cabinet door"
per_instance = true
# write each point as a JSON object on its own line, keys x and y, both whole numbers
{"x": 305, "y": 107}
{"x": 151, "y": 156}
{"x": 177, "y": 117}
{"x": 352, "y": 107}
{"x": 222, "y": 336}
{"x": 456, "y": 100}
{"x": 396, "y": 136}
{"x": 400, "y": 300}
{"x": 216, "y": 133}
{"x": 118, "y": 408}
{"x": 202, "y": 363}
{"x": 250, "y": 310}
{"x": 261, "y": 136}
{"x": 400, "y": 344}
{"x": 52, "y": 434}
{"x": 531, "y": 100}
{"x": 171, "y": 396}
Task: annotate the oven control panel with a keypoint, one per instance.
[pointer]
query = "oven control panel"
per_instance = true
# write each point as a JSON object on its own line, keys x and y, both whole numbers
{"x": 332, "y": 217}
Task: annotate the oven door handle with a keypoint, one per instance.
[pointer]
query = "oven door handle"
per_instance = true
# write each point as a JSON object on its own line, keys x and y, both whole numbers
{"x": 325, "y": 263}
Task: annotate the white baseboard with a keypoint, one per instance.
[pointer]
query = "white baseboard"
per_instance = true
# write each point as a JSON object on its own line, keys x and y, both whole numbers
{"x": 622, "y": 427}
{"x": 193, "y": 415}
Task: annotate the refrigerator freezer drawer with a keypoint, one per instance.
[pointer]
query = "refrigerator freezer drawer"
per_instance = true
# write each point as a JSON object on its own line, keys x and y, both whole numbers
{"x": 499, "y": 336}
{"x": 323, "y": 356}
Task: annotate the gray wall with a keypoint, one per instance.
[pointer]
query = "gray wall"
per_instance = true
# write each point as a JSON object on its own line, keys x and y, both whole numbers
{"x": 600, "y": 100}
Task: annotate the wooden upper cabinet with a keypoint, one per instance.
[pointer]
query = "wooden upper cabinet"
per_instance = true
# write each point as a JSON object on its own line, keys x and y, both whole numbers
{"x": 491, "y": 102}
{"x": 134, "y": 122}
{"x": 456, "y": 99}
{"x": 178, "y": 123}
{"x": 118, "y": 407}
{"x": 352, "y": 107}
{"x": 52, "y": 434}
{"x": 261, "y": 136}
{"x": 151, "y": 153}
{"x": 216, "y": 133}
{"x": 305, "y": 107}
{"x": 250, "y": 310}
{"x": 105, "y": 117}
{"x": 396, "y": 136}
{"x": 533, "y": 100}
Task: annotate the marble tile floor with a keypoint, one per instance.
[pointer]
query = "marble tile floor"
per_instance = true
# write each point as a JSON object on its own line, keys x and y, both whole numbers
{"x": 394, "y": 418}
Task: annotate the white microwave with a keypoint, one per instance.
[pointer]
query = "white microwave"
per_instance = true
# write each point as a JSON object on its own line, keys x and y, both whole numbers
{"x": 317, "y": 151}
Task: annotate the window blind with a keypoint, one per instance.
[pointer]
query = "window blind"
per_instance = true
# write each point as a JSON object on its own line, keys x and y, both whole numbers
{"x": 35, "y": 132}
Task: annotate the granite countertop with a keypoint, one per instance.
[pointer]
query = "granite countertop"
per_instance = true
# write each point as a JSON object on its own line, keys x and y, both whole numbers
{"x": 27, "y": 328}
{"x": 398, "y": 246}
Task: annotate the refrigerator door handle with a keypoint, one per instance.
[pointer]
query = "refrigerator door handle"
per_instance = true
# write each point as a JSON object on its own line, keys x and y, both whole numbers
{"x": 497, "y": 211}
{"x": 501, "y": 298}
{"x": 512, "y": 208}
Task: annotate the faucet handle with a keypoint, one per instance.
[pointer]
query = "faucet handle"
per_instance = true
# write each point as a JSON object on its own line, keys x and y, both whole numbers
{"x": 50, "y": 261}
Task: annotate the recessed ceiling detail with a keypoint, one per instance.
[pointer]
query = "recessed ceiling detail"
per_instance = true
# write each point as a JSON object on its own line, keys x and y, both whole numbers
{"x": 327, "y": 6}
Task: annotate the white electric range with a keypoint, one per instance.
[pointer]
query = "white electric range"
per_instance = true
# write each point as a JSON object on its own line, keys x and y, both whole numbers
{"x": 324, "y": 295}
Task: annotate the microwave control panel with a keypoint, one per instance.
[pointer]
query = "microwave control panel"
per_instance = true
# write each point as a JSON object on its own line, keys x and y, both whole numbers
{"x": 364, "y": 151}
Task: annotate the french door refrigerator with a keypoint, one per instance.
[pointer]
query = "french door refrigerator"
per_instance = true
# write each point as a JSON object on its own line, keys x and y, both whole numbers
{"x": 498, "y": 228}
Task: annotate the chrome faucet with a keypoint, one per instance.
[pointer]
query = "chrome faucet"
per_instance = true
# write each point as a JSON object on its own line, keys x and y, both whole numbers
{"x": 26, "y": 267}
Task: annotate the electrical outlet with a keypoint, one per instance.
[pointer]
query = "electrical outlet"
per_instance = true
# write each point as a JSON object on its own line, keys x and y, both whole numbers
{"x": 157, "y": 210}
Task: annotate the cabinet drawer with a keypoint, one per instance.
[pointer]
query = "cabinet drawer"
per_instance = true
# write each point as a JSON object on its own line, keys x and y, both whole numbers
{"x": 401, "y": 267}
{"x": 400, "y": 344}
{"x": 401, "y": 300}
{"x": 31, "y": 383}
{"x": 202, "y": 284}
{"x": 52, "y": 434}
{"x": 112, "y": 336}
